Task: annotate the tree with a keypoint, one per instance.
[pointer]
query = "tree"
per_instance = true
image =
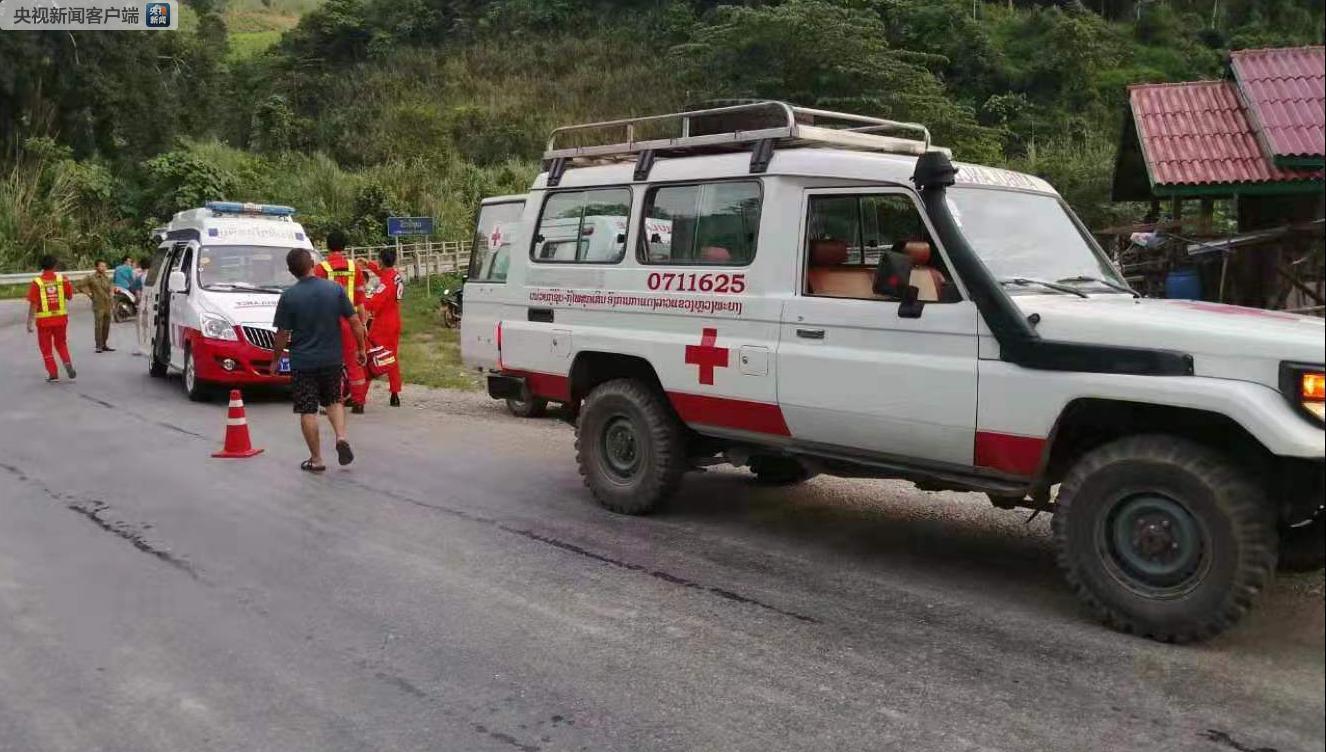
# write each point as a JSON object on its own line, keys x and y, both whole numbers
{"x": 824, "y": 54}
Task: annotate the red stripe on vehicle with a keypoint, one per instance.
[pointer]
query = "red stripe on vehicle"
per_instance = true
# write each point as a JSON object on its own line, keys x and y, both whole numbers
{"x": 696, "y": 409}
{"x": 549, "y": 386}
{"x": 1019, "y": 455}
{"x": 721, "y": 412}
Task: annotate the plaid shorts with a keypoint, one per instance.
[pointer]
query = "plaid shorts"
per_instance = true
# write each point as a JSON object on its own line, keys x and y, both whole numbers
{"x": 317, "y": 387}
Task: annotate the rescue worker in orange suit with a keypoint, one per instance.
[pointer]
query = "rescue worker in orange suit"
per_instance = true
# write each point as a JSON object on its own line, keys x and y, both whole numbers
{"x": 384, "y": 306}
{"x": 48, "y": 314}
{"x": 351, "y": 277}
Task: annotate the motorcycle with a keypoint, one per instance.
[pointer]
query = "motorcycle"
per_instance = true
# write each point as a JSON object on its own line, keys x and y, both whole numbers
{"x": 124, "y": 305}
{"x": 450, "y": 307}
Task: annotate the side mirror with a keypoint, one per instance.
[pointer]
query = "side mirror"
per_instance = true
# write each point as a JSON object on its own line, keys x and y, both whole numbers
{"x": 893, "y": 275}
{"x": 177, "y": 282}
{"x": 910, "y": 307}
{"x": 893, "y": 280}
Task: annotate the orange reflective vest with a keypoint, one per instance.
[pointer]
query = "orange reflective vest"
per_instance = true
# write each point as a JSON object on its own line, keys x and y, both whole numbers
{"x": 48, "y": 289}
{"x": 347, "y": 278}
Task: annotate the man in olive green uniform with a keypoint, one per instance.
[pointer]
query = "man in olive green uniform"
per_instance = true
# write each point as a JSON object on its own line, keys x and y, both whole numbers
{"x": 100, "y": 289}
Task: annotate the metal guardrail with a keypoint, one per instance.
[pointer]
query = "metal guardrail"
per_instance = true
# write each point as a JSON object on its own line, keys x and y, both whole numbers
{"x": 25, "y": 277}
{"x": 413, "y": 260}
{"x": 422, "y": 260}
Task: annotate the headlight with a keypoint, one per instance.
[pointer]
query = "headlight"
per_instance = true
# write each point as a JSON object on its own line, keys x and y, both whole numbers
{"x": 1305, "y": 386}
{"x": 215, "y": 327}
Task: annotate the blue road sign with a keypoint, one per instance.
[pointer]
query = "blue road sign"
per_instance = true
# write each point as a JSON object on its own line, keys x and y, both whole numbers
{"x": 398, "y": 226}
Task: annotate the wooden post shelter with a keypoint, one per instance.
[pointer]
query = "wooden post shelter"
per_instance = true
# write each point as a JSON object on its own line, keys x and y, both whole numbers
{"x": 1233, "y": 173}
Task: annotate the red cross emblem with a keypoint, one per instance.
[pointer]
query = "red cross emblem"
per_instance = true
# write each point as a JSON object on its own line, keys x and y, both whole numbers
{"x": 707, "y": 356}
{"x": 495, "y": 239}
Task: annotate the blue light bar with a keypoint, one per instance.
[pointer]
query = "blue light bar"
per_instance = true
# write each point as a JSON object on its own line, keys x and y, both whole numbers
{"x": 235, "y": 207}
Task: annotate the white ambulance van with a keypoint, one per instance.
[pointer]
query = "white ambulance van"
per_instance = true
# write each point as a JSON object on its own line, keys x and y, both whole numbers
{"x": 211, "y": 294}
{"x": 828, "y": 299}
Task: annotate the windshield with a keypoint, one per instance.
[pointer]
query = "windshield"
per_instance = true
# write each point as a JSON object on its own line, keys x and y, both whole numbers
{"x": 1028, "y": 235}
{"x": 243, "y": 267}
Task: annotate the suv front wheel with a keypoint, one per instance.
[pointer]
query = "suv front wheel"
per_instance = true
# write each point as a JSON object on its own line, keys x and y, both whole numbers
{"x": 630, "y": 446}
{"x": 1164, "y": 537}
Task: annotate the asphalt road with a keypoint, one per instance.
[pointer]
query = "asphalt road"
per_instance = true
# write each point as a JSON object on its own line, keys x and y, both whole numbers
{"x": 457, "y": 590}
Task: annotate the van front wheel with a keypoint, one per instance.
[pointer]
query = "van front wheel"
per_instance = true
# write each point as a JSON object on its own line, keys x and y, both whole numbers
{"x": 630, "y": 447}
{"x": 1164, "y": 537}
{"x": 194, "y": 388}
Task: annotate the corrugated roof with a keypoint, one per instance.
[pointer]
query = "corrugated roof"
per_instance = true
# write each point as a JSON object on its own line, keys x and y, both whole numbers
{"x": 1285, "y": 91}
{"x": 1198, "y": 133}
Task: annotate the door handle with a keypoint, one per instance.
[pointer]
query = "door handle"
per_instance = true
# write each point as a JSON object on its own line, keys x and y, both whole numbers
{"x": 810, "y": 333}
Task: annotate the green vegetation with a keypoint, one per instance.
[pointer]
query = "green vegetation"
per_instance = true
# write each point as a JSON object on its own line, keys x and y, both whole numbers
{"x": 430, "y": 354}
{"x": 253, "y": 26}
{"x": 351, "y": 110}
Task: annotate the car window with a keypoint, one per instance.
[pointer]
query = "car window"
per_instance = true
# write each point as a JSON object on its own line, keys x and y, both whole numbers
{"x": 494, "y": 232}
{"x": 1019, "y": 234}
{"x": 154, "y": 271}
{"x": 849, "y": 235}
{"x": 185, "y": 265}
{"x": 583, "y": 227}
{"x": 708, "y": 224}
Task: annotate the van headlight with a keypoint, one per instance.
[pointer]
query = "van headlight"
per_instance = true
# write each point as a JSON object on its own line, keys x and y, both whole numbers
{"x": 215, "y": 327}
{"x": 1305, "y": 387}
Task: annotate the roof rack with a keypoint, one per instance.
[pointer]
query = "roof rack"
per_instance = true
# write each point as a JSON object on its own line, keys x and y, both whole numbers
{"x": 759, "y": 126}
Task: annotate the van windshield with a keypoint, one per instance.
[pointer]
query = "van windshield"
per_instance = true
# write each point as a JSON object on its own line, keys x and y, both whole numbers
{"x": 243, "y": 268}
{"x": 1030, "y": 236}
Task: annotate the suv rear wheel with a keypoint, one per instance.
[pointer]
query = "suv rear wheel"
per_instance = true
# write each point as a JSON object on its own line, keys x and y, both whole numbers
{"x": 1164, "y": 537}
{"x": 527, "y": 408}
{"x": 630, "y": 447}
{"x": 779, "y": 471}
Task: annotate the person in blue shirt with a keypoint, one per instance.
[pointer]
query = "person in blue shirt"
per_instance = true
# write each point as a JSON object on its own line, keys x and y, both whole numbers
{"x": 124, "y": 273}
{"x": 308, "y": 321}
{"x": 140, "y": 274}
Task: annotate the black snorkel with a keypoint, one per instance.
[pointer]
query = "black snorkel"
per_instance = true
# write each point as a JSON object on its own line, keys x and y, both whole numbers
{"x": 1019, "y": 342}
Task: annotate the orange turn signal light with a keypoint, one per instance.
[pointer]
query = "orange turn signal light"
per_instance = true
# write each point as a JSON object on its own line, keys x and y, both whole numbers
{"x": 1312, "y": 386}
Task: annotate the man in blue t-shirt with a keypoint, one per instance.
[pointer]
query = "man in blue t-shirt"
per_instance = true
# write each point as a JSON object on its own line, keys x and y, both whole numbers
{"x": 124, "y": 273}
{"x": 308, "y": 321}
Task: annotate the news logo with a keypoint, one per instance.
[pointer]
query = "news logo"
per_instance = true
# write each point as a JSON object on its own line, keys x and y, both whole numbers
{"x": 157, "y": 15}
{"x": 88, "y": 15}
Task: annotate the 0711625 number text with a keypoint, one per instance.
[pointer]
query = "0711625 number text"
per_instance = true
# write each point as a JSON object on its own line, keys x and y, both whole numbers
{"x": 720, "y": 283}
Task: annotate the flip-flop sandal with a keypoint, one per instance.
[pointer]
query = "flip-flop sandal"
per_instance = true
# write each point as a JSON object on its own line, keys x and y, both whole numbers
{"x": 344, "y": 455}
{"x": 308, "y": 467}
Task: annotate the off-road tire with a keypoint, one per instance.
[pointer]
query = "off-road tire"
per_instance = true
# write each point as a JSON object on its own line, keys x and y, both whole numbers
{"x": 198, "y": 390}
{"x": 529, "y": 408}
{"x": 1303, "y": 548}
{"x": 779, "y": 471}
{"x": 660, "y": 438}
{"x": 1229, "y": 508}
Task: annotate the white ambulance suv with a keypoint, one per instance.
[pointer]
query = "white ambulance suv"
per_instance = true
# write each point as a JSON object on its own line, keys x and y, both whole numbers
{"x": 830, "y": 299}
{"x": 211, "y": 292}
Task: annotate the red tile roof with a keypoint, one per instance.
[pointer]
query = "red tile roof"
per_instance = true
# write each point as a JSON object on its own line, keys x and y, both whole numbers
{"x": 1197, "y": 133}
{"x": 1285, "y": 92}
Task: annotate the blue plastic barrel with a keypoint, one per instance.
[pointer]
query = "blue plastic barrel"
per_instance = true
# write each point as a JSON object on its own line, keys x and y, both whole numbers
{"x": 1184, "y": 283}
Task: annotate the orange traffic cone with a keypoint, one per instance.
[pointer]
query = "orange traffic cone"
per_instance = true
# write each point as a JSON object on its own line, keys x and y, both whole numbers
{"x": 237, "y": 430}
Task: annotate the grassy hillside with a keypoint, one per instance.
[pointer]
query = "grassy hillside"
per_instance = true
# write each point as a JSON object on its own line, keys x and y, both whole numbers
{"x": 253, "y": 26}
{"x": 353, "y": 110}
